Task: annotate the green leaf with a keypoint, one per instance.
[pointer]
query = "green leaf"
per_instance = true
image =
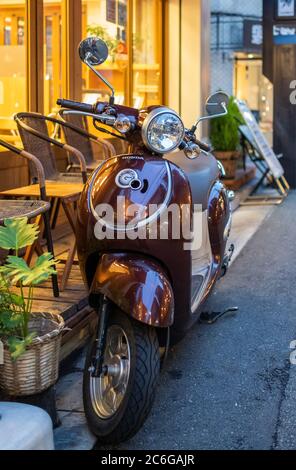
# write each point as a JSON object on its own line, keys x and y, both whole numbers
{"x": 3, "y": 282}
{"x": 224, "y": 134}
{"x": 17, "y": 270}
{"x": 17, "y": 233}
{"x": 18, "y": 346}
{"x": 17, "y": 300}
{"x": 10, "y": 321}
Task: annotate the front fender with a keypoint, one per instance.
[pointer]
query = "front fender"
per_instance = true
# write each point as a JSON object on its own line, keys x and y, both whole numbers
{"x": 137, "y": 285}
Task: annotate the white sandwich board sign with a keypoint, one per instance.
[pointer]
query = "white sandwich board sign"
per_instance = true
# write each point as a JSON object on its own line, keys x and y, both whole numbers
{"x": 266, "y": 151}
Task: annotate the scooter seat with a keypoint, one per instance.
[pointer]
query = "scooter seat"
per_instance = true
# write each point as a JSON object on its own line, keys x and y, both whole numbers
{"x": 201, "y": 172}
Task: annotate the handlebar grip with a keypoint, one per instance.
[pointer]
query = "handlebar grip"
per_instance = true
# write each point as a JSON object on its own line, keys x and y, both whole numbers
{"x": 203, "y": 146}
{"x": 76, "y": 105}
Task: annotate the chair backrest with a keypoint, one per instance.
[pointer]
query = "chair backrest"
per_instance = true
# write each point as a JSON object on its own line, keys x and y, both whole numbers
{"x": 35, "y": 145}
{"x": 94, "y": 147}
{"x": 33, "y": 161}
{"x": 75, "y": 139}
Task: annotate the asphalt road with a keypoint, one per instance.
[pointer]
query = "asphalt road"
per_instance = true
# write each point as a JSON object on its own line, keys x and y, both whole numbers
{"x": 231, "y": 385}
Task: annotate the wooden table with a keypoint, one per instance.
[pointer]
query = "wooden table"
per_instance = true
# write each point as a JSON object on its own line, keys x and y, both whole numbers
{"x": 54, "y": 189}
{"x": 67, "y": 193}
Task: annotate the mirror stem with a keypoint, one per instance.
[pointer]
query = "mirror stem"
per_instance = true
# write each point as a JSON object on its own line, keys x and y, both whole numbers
{"x": 207, "y": 118}
{"x": 104, "y": 80}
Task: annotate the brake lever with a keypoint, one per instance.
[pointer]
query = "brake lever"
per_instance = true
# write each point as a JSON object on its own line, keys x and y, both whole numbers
{"x": 192, "y": 139}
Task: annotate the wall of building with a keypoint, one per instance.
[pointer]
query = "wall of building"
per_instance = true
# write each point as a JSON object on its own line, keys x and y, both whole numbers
{"x": 222, "y": 63}
{"x": 249, "y": 7}
{"x": 187, "y": 54}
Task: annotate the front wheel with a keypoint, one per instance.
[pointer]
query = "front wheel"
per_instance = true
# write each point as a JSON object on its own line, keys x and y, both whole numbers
{"x": 117, "y": 403}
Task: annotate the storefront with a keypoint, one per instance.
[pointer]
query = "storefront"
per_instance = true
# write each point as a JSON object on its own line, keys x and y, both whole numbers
{"x": 236, "y": 56}
{"x": 155, "y": 52}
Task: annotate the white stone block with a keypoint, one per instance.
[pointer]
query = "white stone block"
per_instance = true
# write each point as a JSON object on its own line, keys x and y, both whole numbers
{"x": 24, "y": 427}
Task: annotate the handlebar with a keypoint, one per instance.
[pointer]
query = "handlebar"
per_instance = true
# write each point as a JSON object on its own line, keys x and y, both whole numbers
{"x": 202, "y": 145}
{"x": 191, "y": 137}
{"x": 76, "y": 105}
{"x": 91, "y": 109}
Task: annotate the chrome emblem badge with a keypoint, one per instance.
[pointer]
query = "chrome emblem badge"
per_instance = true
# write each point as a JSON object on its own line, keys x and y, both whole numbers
{"x": 128, "y": 178}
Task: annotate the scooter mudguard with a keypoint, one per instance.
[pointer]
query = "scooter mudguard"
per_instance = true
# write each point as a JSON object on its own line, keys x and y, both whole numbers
{"x": 137, "y": 285}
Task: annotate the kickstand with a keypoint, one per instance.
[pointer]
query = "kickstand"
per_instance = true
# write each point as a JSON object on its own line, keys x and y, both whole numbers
{"x": 208, "y": 318}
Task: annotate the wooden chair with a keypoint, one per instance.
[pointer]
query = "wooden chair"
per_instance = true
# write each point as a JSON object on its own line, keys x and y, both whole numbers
{"x": 33, "y": 209}
{"x": 77, "y": 135}
{"x": 33, "y": 130}
{"x": 63, "y": 189}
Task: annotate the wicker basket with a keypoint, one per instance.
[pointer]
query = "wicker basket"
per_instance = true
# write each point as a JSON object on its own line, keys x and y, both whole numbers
{"x": 229, "y": 161}
{"x": 36, "y": 369}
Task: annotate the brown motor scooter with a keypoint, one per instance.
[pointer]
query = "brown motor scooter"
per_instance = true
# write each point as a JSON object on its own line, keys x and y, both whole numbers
{"x": 152, "y": 230}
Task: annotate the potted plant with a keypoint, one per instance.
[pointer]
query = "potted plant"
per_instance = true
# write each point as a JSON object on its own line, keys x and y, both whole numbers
{"x": 224, "y": 136}
{"x": 31, "y": 340}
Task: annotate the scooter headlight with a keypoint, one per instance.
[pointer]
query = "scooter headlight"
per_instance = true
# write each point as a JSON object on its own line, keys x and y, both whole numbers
{"x": 162, "y": 130}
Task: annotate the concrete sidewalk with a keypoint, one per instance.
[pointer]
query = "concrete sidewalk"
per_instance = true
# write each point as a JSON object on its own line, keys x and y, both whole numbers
{"x": 197, "y": 392}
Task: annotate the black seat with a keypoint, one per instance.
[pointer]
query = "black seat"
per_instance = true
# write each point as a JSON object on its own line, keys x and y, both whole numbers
{"x": 201, "y": 172}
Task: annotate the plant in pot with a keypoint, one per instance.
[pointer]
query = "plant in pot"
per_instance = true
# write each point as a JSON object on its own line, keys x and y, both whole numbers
{"x": 224, "y": 136}
{"x": 31, "y": 340}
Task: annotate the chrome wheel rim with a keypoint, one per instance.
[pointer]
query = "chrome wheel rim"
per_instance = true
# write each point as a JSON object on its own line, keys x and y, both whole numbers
{"x": 108, "y": 391}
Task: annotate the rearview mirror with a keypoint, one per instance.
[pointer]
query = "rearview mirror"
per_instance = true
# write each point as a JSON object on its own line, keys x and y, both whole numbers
{"x": 93, "y": 51}
{"x": 217, "y": 103}
{"x": 216, "y": 106}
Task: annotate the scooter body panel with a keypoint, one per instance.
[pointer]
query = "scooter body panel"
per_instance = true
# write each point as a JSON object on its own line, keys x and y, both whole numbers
{"x": 138, "y": 286}
{"x": 166, "y": 184}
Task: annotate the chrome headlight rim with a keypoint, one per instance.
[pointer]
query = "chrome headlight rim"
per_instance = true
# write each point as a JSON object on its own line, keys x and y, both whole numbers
{"x": 148, "y": 121}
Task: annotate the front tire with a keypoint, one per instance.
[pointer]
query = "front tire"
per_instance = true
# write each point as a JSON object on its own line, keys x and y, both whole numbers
{"x": 117, "y": 404}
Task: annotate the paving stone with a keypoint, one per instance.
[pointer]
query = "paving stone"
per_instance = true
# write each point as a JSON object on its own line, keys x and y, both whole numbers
{"x": 73, "y": 434}
{"x": 69, "y": 392}
{"x": 79, "y": 362}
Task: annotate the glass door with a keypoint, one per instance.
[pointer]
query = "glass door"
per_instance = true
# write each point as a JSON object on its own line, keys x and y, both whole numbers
{"x": 13, "y": 84}
{"x": 147, "y": 49}
{"x": 52, "y": 20}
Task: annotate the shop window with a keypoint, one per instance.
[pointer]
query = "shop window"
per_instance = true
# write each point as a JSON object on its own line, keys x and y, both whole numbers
{"x": 134, "y": 63}
{"x": 13, "y": 61}
{"x": 146, "y": 35}
{"x": 252, "y": 87}
{"x": 52, "y": 16}
{"x": 107, "y": 19}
